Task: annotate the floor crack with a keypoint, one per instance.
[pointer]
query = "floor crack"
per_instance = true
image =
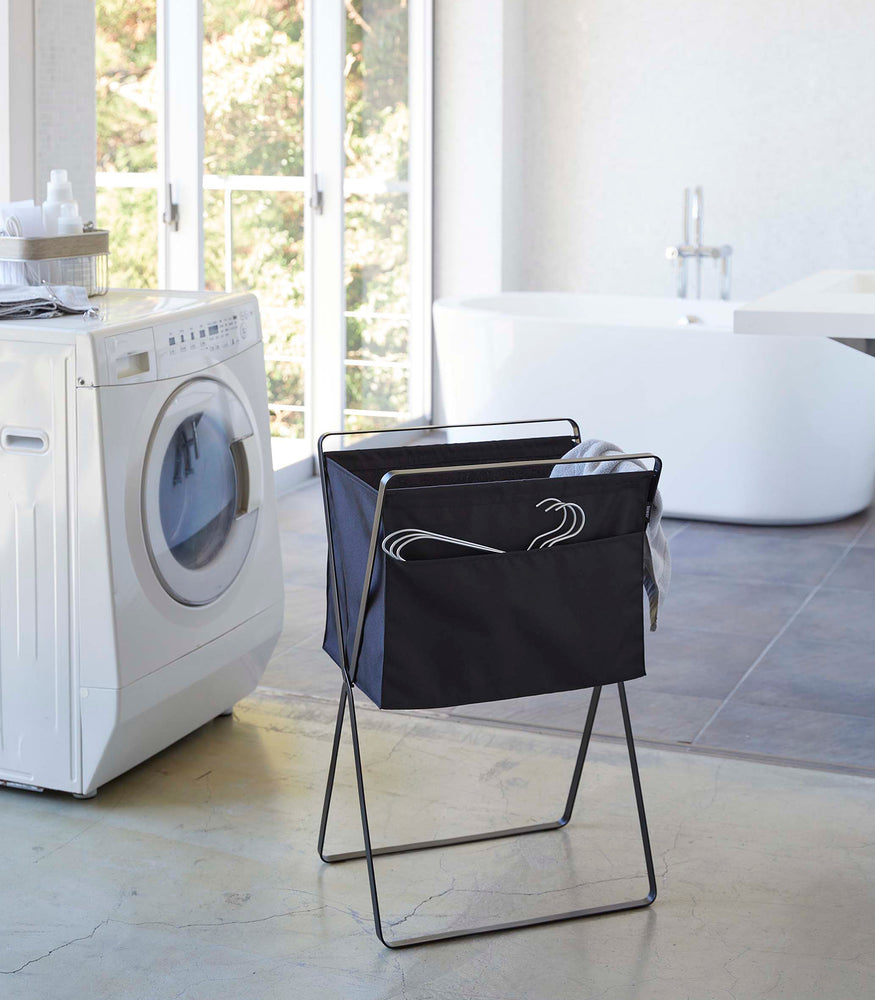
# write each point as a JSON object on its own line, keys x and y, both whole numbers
{"x": 66, "y": 944}
{"x": 419, "y": 906}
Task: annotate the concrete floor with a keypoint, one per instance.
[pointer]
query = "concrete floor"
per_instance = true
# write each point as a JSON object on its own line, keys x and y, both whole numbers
{"x": 195, "y": 876}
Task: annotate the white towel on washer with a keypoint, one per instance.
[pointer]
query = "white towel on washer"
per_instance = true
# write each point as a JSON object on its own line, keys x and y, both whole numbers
{"x": 657, "y": 558}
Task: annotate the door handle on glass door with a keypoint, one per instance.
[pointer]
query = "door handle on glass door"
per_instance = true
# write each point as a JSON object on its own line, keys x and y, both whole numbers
{"x": 316, "y": 202}
{"x": 170, "y": 215}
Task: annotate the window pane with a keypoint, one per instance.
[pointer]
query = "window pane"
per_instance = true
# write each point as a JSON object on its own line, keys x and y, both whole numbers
{"x": 266, "y": 244}
{"x": 269, "y": 245}
{"x": 284, "y": 357}
{"x": 127, "y": 137}
{"x": 285, "y": 361}
{"x": 384, "y": 339}
{"x": 127, "y": 86}
{"x": 130, "y": 215}
{"x": 253, "y": 87}
{"x": 284, "y": 334}
{"x": 376, "y": 88}
{"x": 285, "y": 391}
{"x": 376, "y": 238}
{"x": 372, "y": 386}
{"x": 285, "y": 381}
{"x": 377, "y": 272}
{"x": 214, "y": 241}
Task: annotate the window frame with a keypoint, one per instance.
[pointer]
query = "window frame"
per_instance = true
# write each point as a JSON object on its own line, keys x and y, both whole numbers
{"x": 179, "y": 181}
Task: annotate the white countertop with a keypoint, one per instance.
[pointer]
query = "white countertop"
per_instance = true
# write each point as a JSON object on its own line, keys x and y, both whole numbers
{"x": 828, "y": 304}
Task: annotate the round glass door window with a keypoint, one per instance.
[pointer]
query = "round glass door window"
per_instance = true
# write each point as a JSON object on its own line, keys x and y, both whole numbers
{"x": 198, "y": 514}
{"x": 197, "y": 491}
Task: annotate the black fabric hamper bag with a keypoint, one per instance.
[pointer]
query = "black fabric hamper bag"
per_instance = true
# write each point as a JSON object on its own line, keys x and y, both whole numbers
{"x": 491, "y": 599}
{"x": 450, "y": 629}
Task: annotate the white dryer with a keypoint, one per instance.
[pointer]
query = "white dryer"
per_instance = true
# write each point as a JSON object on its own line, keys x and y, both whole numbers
{"x": 141, "y": 589}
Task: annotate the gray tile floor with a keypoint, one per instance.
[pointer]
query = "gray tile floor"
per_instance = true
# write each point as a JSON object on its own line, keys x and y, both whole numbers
{"x": 764, "y": 649}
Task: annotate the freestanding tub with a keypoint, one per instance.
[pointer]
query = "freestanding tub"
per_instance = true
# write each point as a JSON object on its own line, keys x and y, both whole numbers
{"x": 752, "y": 429}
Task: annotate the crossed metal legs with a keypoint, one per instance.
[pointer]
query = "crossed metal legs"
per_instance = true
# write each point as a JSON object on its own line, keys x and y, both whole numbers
{"x": 370, "y": 852}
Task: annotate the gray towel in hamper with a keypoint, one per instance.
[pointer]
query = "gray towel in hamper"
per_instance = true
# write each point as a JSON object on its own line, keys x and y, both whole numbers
{"x": 657, "y": 558}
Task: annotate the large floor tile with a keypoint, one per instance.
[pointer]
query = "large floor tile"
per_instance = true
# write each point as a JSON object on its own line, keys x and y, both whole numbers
{"x": 867, "y": 538}
{"x": 837, "y": 615}
{"x": 856, "y": 571}
{"x": 836, "y": 676}
{"x": 301, "y": 510}
{"x": 655, "y": 715}
{"x": 841, "y": 532}
{"x": 671, "y": 526}
{"x": 703, "y": 664}
{"x": 304, "y": 560}
{"x": 714, "y": 604}
{"x": 303, "y": 615}
{"x": 745, "y": 554}
{"x": 563, "y": 710}
{"x": 304, "y": 669}
{"x": 793, "y": 734}
{"x": 195, "y": 876}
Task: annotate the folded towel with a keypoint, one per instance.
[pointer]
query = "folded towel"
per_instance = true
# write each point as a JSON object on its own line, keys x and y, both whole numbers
{"x": 657, "y": 559}
{"x": 43, "y": 301}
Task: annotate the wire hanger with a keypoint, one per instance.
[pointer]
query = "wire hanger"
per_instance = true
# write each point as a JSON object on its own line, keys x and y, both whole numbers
{"x": 394, "y": 543}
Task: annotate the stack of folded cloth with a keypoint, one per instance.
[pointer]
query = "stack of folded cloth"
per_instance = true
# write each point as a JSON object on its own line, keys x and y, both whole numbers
{"x": 43, "y": 301}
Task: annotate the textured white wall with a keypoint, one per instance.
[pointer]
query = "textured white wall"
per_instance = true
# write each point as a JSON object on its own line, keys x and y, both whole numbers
{"x": 48, "y": 115}
{"x": 767, "y": 103}
{"x": 17, "y": 132}
{"x": 66, "y": 115}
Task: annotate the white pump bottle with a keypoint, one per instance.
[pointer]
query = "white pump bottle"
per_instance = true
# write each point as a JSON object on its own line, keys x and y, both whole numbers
{"x": 59, "y": 191}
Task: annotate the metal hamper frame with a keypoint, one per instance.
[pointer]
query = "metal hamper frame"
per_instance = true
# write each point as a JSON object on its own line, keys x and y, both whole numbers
{"x": 349, "y": 670}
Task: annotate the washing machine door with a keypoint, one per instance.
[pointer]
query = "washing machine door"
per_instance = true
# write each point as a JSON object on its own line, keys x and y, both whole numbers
{"x": 201, "y": 491}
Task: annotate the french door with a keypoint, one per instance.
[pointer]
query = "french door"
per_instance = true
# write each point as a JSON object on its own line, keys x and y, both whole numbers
{"x": 283, "y": 148}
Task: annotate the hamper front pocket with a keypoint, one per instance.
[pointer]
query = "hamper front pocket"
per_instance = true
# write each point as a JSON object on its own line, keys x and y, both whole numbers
{"x": 488, "y": 627}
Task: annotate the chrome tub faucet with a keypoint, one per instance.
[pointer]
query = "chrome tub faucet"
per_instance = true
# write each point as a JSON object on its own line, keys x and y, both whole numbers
{"x": 694, "y": 210}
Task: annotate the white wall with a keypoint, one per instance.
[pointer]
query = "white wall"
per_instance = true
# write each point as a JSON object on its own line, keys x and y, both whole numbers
{"x": 468, "y": 146}
{"x": 17, "y": 131}
{"x": 767, "y": 103}
{"x": 608, "y": 108}
{"x": 48, "y": 112}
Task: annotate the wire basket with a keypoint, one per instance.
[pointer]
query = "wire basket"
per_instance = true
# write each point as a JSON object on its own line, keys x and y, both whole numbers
{"x": 57, "y": 260}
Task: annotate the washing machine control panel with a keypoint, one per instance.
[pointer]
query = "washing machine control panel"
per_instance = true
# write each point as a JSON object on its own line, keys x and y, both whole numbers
{"x": 192, "y": 344}
{"x": 173, "y": 341}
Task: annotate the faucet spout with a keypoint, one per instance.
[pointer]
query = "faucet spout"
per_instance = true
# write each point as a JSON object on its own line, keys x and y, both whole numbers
{"x": 699, "y": 216}
{"x": 694, "y": 218}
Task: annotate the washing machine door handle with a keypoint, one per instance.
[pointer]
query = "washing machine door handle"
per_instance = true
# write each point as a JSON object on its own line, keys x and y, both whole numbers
{"x": 242, "y": 440}
{"x": 250, "y": 489}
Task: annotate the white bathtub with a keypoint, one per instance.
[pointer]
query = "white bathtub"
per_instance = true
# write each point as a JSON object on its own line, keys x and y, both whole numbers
{"x": 753, "y": 429}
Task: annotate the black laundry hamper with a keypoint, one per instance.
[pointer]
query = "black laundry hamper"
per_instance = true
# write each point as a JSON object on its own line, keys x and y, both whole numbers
{"x": 455, "y": 626}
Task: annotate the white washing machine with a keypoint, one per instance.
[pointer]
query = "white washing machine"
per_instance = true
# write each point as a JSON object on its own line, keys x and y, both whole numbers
{"x": 141, "y": 589}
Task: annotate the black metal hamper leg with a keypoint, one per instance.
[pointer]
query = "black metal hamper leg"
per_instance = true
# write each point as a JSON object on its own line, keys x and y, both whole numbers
{"x": 369, "y": 852}
{"x": 332, "y": 768}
